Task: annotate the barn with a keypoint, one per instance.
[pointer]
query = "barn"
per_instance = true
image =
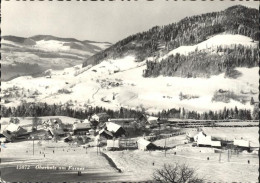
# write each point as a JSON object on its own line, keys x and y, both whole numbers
{"x": 145, "y": 145}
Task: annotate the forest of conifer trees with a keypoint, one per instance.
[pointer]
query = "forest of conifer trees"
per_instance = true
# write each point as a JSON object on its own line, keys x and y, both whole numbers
{"x": 204, "y": 64}
{"x": 43, "y": 109}
{"x": 189, "y": 31}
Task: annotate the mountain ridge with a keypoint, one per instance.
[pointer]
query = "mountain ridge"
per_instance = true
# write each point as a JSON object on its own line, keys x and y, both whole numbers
{"x": 188, "y": 31}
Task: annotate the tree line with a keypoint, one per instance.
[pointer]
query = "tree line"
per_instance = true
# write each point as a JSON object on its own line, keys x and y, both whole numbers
{"x": 44, "y": 109}
{"x": 203, "y": 63}
{"x": 226, "y": 113}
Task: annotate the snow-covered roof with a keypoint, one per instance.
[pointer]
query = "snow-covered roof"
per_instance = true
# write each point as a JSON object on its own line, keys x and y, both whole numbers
{"x": 58, "y": 131}
{"x": 112, "y": 127}
{"x": 78, "y": 126}
{"x": 241, "y": 143}
{"x": 204, "y": 140}
{"x": 152, "y": 118}
{"x": 143, "y": 142}
{"x": 191, "y": 133}
{"x": 103, "y": 114}
{"x": 12, "y": 127}
{"x": 105, "y": 131}
{"x": 216, "y": 143}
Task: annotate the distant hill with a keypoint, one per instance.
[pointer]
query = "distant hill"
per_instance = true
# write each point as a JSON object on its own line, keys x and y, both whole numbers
{"x": 188, "y": 31}
{"x": 33, "y": 55}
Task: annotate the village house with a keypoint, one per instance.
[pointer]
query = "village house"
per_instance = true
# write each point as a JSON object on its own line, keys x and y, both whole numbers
{"x": 112, "y": 130}
{"x": 81, "y": 128}
{"x": 14, "y": 131}
{"x": 204, "y": 140}
{"x": 100, "y": 117}
{"x": 149, "y": 121}
{"x": 54, "y": 127}
{"x": 145, "y": 145}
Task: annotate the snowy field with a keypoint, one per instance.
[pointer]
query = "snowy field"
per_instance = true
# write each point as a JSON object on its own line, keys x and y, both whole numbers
{"x": 136, "y": 165}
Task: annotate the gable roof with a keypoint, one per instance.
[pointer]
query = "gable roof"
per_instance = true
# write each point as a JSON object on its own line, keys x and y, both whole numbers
{"x": 143, "y": 142}
{"x": 78, "y": 126}
{"x": 103, "y": 114}
{"x": 12, "y": 127}
{"x": 106, "y": 132}
{"x": 112, "y": 127}
{"x": 58, "y": 131}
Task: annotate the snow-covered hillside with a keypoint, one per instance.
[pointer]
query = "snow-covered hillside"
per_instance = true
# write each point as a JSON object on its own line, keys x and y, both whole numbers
{"x": 31, "y": 56}
{"x": 119, "y": 83}
{"x": 224, "y": 40}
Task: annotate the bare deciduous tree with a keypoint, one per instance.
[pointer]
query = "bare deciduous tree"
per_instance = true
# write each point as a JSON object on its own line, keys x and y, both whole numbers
{"x": 176, "y": 174}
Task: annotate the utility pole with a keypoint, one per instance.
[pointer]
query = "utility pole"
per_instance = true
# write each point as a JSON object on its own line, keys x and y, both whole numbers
{"x": 220, "y": 156}
{"x": 228, "y": 155}
{"x": 33, "y": 145}
{"x": 165, "y": 148}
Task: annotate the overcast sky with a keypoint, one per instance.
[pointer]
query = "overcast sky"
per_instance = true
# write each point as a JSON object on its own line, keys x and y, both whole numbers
{"x": 100, "y": 21}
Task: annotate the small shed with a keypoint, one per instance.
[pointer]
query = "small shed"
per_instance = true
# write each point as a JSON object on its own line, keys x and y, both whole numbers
{"x": 145, "y": 145}
{"x": 215, "y": 144}
{"x": 241, "y": 143}
{"x": 113, "y": 144}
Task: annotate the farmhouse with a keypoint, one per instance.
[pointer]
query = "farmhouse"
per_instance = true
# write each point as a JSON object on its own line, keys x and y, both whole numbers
{"x": 145, "y": 145}
{"x": 81, "y": 128}
{"x": 106, "y": 134}
{"x": 54, "y": 122}
{"x": 115, "y": 129}
{"x": 100, "y": 117}
{"x": 56, "y": 131}
{"x": 13, "y": 131}
{"x": 112, "y": 130}
{"x": 150, "y": 121}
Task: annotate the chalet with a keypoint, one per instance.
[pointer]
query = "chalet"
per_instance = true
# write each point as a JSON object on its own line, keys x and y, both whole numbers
{"x": 112, "y": 130}
{"x": 14, "y": 131}
{"x": 145, "y": 145}
{"x": 100, "y": 117}
{"x": 54, "y": 122}
{"x": 106, "y": 134}
{"x": 81, "y": 128}
{"x": 56, "y": 132}
{"x": 202, "y": 139}
{"x": 150, "y": 121}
